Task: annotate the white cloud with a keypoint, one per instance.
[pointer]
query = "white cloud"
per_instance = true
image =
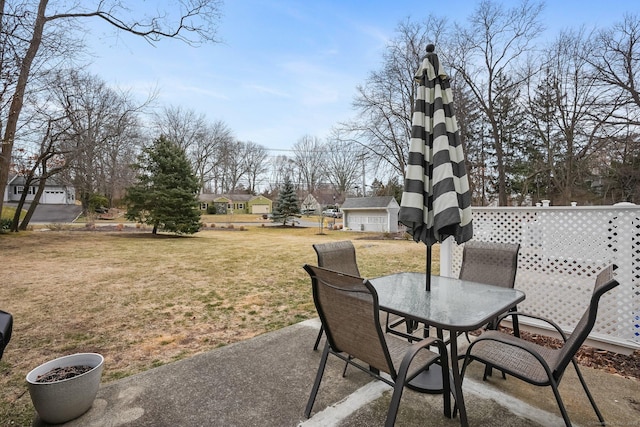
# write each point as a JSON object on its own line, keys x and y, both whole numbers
{"x": 267, "y": 90}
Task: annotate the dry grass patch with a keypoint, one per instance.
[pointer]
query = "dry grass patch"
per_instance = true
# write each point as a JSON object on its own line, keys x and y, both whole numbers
{"x": 143, "y": 301}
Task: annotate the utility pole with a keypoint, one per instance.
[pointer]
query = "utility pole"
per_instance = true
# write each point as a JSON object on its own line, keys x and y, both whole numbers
{"x": 362, "y": 157}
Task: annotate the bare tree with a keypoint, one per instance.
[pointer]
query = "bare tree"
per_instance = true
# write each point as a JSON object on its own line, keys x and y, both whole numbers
{"x": 622, "y": 172}
{"x": 231, "y": 166}
{"x": 582, "y": 109}
{"x": 385, "y": 102}
{"x": 342, "y": 165}
{"x": 118, "y": 155}
{"x": 204, "y": 155}
{"x": 39, "y": 166}
{"x": 471, "y": 127}
{"x": 281, "y": 167}
{"x": 310, "y": 159}
{"x": 182, "y": 126}
{"x": 492, "y": 46}
{"x": 31, "y": 25}
{"x": 103, "y": 132}
{"x": 203, "y": 142}
{"x": 256, "y": 160}
{"x": 616, "y": 59}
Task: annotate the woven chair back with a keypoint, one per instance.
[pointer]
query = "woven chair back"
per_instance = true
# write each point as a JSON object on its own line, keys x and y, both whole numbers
{"x": 490, "y": 263}
{"x": 338, "y": 256}
{"x": 604, "y": 283}
{"x": 348, "y": 308}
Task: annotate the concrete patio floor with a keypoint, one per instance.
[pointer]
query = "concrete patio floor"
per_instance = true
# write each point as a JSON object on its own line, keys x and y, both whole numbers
{"x": 265, "y": 381}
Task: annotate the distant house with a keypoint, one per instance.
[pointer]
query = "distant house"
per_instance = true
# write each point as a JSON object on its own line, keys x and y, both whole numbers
{"x": 310, "y": 204}
{"x": 236, "y": 203}
{"x": 371, "y": 214}
{"x": 55, "y": 192}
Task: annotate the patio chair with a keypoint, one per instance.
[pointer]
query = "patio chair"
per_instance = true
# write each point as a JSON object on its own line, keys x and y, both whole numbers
{"x": 337, "y": 256}
{"x": 492, "y": 264}
{"x": 6, "y": 326}
{"x": 348, "y": 308}
{"x": 539, "y": 365}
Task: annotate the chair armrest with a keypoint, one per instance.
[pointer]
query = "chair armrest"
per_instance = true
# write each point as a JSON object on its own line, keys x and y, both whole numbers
{"x": 420, "y": 345}
{"x": 531, "y": 316}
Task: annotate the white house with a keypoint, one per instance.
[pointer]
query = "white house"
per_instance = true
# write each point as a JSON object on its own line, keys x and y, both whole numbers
{"x": 55, "y": 193}
{"x": 310, "y": 204}
{"x": 371, "y": 214}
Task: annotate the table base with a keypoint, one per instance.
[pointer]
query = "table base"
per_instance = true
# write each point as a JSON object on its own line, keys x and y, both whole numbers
{"x": 428, "y": 381}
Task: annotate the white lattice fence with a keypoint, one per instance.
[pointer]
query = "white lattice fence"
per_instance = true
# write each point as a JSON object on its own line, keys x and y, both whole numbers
{"x": 562, "y": 250}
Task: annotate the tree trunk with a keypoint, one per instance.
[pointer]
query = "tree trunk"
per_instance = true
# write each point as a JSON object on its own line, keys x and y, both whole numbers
{"x": 17, "y": 100}
{"x": 23, "y": 199}
{"x": 34, "y": 204}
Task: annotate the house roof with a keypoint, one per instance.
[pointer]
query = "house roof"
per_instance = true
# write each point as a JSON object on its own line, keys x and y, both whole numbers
{"x": 310, "y": 199}
{"x": 370, "y": 202}
{"x": 20, "y": 180}
{"x": 209, "y": 197}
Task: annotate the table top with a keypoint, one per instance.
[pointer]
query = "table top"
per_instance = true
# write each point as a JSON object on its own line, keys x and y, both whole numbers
{"x": 451, "y": 304}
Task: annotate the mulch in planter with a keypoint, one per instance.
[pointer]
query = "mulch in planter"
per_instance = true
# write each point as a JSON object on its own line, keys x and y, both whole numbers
{"x": 59, "y": 374}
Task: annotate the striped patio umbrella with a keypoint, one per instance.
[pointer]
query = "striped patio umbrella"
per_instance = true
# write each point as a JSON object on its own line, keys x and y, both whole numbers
{"x": 436, "y": 202}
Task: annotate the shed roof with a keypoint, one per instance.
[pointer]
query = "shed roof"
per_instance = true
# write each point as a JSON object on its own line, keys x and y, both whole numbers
{"x": 370, "y": 202}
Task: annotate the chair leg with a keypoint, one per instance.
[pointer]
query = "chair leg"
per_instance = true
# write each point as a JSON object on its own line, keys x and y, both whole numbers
{"x": 516, "y": 324}
{"x": 488, "y": 372}
{"x": 315, "y": 347}
{"x": 346, "y": 365}
{"x": 586, "y": 390}
{"x": 316, "y": 384}
{"x": 563, "y": 410}
{"x": 467, "y": 362}
{"x": 447, "y": 380}
{"x": 398, "y": 388}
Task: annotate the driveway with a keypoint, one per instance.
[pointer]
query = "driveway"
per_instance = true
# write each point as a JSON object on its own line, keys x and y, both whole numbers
{"x": 53, "y": 214}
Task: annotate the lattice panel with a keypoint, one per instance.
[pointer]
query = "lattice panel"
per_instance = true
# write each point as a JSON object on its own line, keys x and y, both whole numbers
{"x": 562, "y": 250}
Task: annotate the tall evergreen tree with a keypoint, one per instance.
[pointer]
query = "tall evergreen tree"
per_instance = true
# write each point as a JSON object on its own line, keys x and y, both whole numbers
{"x": 166, "y": 192}
{"x": 287, "y": 204}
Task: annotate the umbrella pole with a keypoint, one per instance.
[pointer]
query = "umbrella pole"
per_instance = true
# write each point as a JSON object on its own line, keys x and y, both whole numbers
{"x": 428, "y": 270}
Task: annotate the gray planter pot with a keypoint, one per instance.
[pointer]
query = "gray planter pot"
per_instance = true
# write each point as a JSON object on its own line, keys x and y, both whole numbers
{"x": 61, "y": 401}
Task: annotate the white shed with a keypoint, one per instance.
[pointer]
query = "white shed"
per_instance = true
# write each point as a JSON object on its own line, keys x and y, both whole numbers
{"x": 371, "y": 214}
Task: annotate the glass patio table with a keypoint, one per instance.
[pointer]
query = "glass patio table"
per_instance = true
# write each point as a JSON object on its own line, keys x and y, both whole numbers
{"x": 451, "y": 305}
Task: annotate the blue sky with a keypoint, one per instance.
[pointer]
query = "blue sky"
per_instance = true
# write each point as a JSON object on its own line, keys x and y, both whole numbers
{"x": 289, "y": 68}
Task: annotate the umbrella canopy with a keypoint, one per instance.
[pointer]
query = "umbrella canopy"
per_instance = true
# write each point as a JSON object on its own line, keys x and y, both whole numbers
{"x": 436, "y": 202}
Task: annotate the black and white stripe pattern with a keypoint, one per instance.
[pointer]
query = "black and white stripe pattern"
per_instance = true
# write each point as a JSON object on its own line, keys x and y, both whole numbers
{"x": 436, "y": 202}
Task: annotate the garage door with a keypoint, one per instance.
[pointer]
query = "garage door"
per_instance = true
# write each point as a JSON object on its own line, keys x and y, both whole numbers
{"x": 259, "y": 209}
{"x": 53, "y": 197}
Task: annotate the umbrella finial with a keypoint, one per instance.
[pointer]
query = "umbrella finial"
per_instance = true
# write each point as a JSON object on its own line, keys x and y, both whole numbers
{"x": 431, "y": 47}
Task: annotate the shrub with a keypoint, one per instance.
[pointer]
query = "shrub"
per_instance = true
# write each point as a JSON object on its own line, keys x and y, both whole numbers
{"x": 5, "y": 224}
{"x": 211, "y": 210}
{"x": 97, "y": 201}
